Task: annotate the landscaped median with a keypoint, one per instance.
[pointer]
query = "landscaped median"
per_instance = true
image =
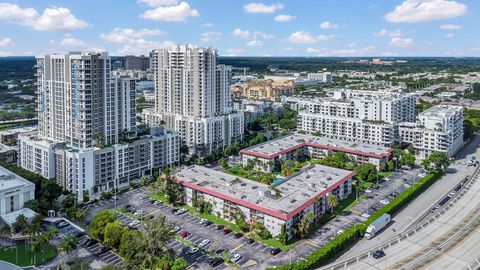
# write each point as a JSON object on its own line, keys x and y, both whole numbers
{"x": 346, "y": 239}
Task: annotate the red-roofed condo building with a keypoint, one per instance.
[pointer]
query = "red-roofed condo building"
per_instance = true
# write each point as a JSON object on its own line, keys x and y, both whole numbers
{"x": 269, "y": 154}
{"x": 282, "y": 203}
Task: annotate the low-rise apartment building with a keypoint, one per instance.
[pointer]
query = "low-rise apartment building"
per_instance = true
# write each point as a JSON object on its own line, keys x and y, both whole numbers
{"x": 270, "y": 90}
{"x": 269, "y": 154}
{"x": 439, "y": 128}
{"x": 14, "y": 191}
{"x": 282, "y": 203}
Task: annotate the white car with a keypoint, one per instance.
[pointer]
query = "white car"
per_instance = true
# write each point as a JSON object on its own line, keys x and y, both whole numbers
{"x": 157, "y": 203}
{"x": 181, "y": 211}
{"x": 176, "y": 229}
{"x": 406, "y": 185}
{"x": 192, "y": 250}
{"x": 368, "y": 190}
{"x": 204, "y": 243}
{"x": 202, "y": 221}
{"x": 235, "y": 258}
{"x": 385, "y": 201}
{"x": 134, "y": 223}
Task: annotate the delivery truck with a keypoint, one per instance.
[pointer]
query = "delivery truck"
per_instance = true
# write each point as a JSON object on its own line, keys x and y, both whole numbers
{"x": 377, "y": 225}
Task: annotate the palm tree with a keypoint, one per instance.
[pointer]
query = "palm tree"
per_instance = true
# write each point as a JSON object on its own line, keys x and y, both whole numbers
{"x": 332, "y": 201}
{"x": 68, "y": 244}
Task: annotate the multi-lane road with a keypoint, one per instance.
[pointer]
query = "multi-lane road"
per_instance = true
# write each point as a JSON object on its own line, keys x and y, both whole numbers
{"x": 444, "y": 240}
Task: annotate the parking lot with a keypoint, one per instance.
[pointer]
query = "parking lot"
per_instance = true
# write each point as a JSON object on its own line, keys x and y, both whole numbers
{"x": 92, "y": 252}
{"x": 254, "y": 253}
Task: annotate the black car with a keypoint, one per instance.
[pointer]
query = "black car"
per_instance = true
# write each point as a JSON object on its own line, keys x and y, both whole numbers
{"x": 214, "y": 262}
{"x": 250, "y": 241}
{"x": 220, "y": 251}
{"x": 219, "y": 227}
{"x": 207, "y": 223}
{"x": 102, "y": 250}
{"x": 78, "y": 234}
{"x": 378, "y": 254}
{"x": 237, "y": 235}
{"x": 275, "y": 251}
{"x": 174, "y": 211}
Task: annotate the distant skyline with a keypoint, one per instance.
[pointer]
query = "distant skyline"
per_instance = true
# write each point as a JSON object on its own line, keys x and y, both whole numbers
{"x": 243, "y": 28}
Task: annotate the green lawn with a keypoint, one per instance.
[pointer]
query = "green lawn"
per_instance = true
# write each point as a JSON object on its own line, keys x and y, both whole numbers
{"x": 26, "y": 256}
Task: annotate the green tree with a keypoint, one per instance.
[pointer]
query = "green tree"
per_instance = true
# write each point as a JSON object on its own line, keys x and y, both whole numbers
{"x": 99, "y": 221}
{"x": 224, "y": 163}
{"x": 407, "y": 159}
{"x": 68, "y": 244}
{"x": 390, "y": 165}
{"x": 21, "y": 224}
{"x": 365, "y": 172}
{"x": 179, "y": 264}
{"x": 113, "y": 234}
{"x": 282, "y": 237}
{"x": 332, "y": 202}
{"x": 158, "y": 233}
{"x": 439, "y": 160}
{"x": 110, "y": 267}
{"x": 133, "y": 248}
{"x": 305, "y": 225}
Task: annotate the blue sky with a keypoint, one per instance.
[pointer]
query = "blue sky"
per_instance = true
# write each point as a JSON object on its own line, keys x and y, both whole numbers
{"x": 251, "y": 28}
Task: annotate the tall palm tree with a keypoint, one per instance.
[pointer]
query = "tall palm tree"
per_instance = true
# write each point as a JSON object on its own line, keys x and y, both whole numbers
{"x": 68, "y": 244}
{"x": 332, "y": 201}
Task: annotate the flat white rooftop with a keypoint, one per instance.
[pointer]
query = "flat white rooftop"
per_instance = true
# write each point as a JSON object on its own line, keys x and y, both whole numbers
{"x": 10, "y": 180}
{"x": 279, "y": 146}
{"x": 295, "y": 192}
{"x": 441, "y": 111}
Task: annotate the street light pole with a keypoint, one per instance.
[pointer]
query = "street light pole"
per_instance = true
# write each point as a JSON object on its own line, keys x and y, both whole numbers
{"x": 115, "y": 192}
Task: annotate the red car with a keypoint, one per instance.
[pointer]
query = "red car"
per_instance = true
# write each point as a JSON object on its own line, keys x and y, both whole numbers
{"x": 184, "y": 234}
{"x": 226, "y": 231}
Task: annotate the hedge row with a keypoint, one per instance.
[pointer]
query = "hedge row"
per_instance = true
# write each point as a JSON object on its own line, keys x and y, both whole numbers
{"x": 350, "y": 236}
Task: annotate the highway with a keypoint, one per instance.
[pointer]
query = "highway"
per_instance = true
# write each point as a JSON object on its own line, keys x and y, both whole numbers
{"x": 407, "y": 253}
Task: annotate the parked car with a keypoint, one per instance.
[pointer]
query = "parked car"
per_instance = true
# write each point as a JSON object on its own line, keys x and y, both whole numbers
{"x": 204, "y": 243}
{"x": 378, "y": 254}
{"x": 235, "y": 258}
{"x": 174, "y": 210}
{"x": 214, "y": 262}
{"x": 102, "y": 250}
{"x": 226, "y": 231}
{"x": 184, "y": 234}
{"x": 181, "y": 211}
{"x": 61, "y": 224}
{"x": 220, "y": 251}
{"x": 250, "y": 240}
{"x": 78, "y": 234}
{"x": 176, "y": 229}
{"x": 219, "y": 227}
{"x": 202, "y": 221}
{"x": 208, "y": 223}
{"x": 157, "y": 203}
{"x": 237, "y": 235}
{"x": 275, "y": 251}
{"x": 192, "y": 250}
{"x": 384, "y": 201}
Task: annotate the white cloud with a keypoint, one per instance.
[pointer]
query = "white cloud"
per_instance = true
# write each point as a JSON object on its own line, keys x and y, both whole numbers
{"x": 284, "y": 18}
{"x": 52, "y": 19}
{"x": 243, "y": 34}
{"x": 143, "y": 47}
{"x": 328, "y": 25}
{"x": 5, "y": 53}
{"x": 450, "y": 27}
{"x": 389, "y": 54}
{"x": 262, "y": 8}
{"x": 6, "y": 42}
{"x": 73, "y": 43}
{"x": 414, "y": 11}
{"x": 177, "y": 13}
{"x": 450, "y": 35}
{"x": 234, "y": 51}
{"x": 209, "y": 37}
{"x": 389, "y": 33}
{"x": 208, "y": 24}
{"x": 288, "y": 49}
{"x": 401, "y": 42}
{"x": 254, "y": 43}
{"x": 129, "y": 35}
{"x": 258, "y": 34}
{"x": 158, "y": 3}
{"x": 303, "y": 37}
